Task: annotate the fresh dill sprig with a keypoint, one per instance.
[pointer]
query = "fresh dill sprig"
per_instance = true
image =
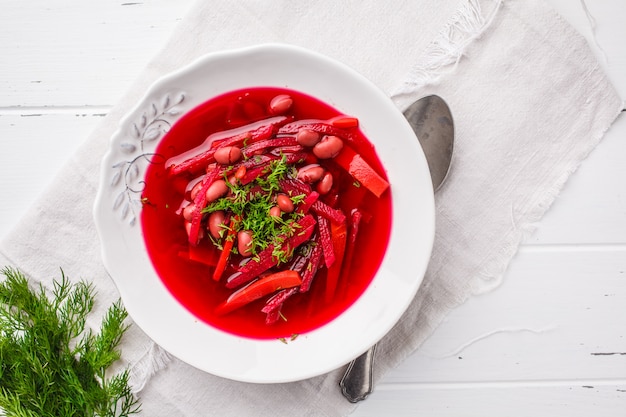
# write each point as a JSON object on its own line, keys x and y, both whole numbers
{"x": 49, "y": 364}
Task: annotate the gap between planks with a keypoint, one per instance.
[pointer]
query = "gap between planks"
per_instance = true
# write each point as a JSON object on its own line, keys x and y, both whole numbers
{"x": 33, "y": 111}
{"x": 584, "y": 383}
{"x": 572, "y": 247}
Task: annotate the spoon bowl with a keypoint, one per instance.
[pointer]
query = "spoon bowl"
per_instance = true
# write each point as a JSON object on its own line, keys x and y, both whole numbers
{"x": 431, "y": 120}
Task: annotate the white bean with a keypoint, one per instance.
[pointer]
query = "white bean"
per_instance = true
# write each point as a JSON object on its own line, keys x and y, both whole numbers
{"x": 328, "y": 147}
{"x": 280, "y": 104}
{"x": 284, "y": 203}
{"x": 216, "y": 223}
{"x": 216, "y": 190}
{"x": 325, "y": 184}
{"x": 307, "y": 137}
{"x": 244, "y": 243}
{"x": 227, "y": 155}
{"x": 310, "y": 173}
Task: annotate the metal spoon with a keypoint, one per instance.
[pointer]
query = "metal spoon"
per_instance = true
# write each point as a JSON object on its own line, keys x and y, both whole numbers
{"x": 431, "y": 120}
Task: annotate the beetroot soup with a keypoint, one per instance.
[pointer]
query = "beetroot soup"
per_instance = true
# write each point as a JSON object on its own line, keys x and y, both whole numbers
{"x": 268, "y": 213}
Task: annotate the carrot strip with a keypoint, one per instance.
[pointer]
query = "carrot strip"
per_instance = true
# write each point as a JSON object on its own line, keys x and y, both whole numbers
{"x": 361, "y": 171}
{"x": 223, "y": 260}
{"x": 338, "y": 233}
{"x": 344, "y": 122}
{"x": 259, "y": 288}
{"x": 226, "y": 250}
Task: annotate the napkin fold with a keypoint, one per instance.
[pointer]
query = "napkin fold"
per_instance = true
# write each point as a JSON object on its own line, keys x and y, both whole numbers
{"x": 529, "y": 102}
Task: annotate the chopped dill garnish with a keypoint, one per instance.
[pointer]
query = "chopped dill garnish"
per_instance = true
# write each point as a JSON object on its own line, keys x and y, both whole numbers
{"x": 252, "y": 202}
{"x": 281, "y": 255}
{"x": 277, "y": 171}
{"x": 297, "y": 199}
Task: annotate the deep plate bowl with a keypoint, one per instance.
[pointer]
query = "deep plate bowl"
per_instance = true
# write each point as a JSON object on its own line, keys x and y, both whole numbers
{"x": 118, "y": 209}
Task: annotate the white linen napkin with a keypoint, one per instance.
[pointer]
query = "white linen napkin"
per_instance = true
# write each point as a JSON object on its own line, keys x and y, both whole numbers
{"x": 529, "y": 102}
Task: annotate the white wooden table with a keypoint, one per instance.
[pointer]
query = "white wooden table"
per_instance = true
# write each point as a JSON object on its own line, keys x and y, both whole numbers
{"x": 551, "y": 341}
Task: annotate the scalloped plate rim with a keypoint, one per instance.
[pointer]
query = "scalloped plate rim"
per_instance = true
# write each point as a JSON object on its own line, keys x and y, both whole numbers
{"x": 270, "y": 361}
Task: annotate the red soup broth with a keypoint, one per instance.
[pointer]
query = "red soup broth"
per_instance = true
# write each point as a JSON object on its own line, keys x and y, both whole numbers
{"x": 190, "y": 281}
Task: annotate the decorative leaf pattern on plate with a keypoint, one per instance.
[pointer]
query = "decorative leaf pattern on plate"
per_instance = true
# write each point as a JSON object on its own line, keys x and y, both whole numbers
{"x": 137, "y": 152}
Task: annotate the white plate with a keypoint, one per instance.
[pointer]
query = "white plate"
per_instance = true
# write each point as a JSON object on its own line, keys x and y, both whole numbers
{"x": 160, "y": 316}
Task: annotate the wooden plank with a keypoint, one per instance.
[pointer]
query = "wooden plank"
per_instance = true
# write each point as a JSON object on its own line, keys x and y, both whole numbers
{"x": 551, "y": 340}
{"x": 559, "y": 315}
{"x": 71, "y": 53}
{"x": 34, "y": 147}
{"x": 573, "y": 398}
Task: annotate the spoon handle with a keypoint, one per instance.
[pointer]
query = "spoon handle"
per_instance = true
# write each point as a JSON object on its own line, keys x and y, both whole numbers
{"x": 357, "y": 382}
